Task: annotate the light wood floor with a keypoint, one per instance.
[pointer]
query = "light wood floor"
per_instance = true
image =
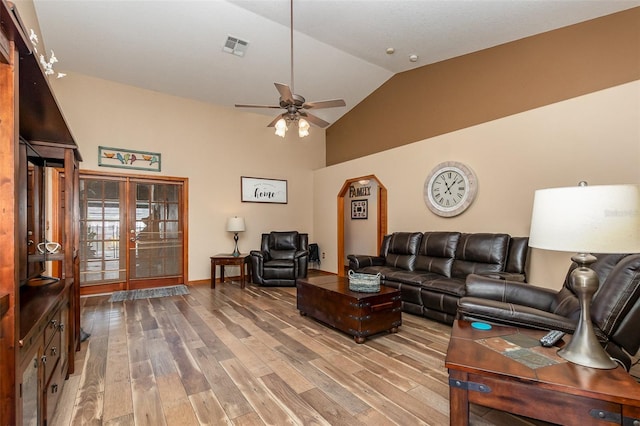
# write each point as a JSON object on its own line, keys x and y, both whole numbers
{"x": 246, "y": 357}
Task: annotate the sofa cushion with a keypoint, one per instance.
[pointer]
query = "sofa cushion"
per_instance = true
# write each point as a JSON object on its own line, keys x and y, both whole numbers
{"x": 436, "y": 252}
{"x": 414, "y": 278}
{"x": 452, "y": 286}
{"x": 480, "y": 253}
{"x": 402, "y": 250}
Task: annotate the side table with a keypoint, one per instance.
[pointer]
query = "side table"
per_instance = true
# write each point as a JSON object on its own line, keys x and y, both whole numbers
{"x": 224, "y": 259}
{"x": 506, "y": 368}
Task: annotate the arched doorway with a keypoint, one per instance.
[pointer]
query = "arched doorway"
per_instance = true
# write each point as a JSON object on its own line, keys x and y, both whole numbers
{"x": 381, "y": 213}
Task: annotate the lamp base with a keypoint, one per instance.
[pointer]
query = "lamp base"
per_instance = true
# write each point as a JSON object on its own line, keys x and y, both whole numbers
{"x": 236, "y": 252}
{"x": 584, "y": 347}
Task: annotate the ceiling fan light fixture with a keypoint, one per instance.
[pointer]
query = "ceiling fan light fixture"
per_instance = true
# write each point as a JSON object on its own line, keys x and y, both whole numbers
{"x": 303, "y": 128}
{"x": 281, "y": 127}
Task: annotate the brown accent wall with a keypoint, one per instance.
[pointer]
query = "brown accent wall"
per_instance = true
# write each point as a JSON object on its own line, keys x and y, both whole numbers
{"x": 490, "y": 84}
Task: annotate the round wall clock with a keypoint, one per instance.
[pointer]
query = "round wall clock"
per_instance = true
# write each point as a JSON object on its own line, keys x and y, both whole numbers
{"x": 450, "y": 188}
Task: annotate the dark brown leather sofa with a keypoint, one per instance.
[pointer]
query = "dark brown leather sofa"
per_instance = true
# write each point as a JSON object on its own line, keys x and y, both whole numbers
{"x": 430, "y": 268}
{"x": 283, "y": 257}
{"x": 615, "y": 308}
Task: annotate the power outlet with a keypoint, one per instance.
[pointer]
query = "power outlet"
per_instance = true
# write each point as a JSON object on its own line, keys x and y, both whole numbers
{"x": 323, "y": 255}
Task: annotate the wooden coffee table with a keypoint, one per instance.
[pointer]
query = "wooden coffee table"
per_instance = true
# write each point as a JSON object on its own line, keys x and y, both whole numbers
{"x": 506, "y": 369}
{"x": 328, "y": 299}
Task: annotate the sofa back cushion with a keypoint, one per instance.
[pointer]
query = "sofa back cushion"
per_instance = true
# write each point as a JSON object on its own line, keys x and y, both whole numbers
{"x": 480, "y": 253}
{"x": 436, "y": 252}
{"x": 400, "y": 249}
{"x": 518, "y": 255}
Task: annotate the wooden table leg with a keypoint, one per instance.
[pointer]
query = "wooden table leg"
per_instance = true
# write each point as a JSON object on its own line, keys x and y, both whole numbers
{"x": 213, "y": 273}
{"x": 221, "y": 274}
{"x": 242, "y": 276}
{"x": 458, "y": 400}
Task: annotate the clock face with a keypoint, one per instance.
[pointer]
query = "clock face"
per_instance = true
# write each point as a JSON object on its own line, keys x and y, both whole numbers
{"x": 449, "y": 189}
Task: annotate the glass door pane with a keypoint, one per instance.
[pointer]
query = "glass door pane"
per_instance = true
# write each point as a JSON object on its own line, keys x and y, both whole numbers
{"x": 102, "y": 247}
{"x": 156, "y": 234}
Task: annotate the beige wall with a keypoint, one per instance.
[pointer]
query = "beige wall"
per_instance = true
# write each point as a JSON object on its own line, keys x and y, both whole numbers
{"x": 489, "y": 84}
{"x": 210, "y": 145}
{"x": 595, "y": 137}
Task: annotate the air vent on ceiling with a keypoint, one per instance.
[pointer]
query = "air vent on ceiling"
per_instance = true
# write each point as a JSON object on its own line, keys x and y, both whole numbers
{"x": 235, "y": 46}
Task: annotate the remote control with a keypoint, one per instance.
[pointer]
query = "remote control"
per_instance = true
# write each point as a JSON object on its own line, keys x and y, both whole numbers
{"x": 551, "y": 338}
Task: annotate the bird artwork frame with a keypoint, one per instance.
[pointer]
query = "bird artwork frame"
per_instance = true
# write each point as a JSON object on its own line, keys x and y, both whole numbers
{"x": 129, "y": 159}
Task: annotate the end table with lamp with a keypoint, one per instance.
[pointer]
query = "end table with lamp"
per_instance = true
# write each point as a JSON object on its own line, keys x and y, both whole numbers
{"x": 234, "y": 224}
{"x": 226, "y": 259}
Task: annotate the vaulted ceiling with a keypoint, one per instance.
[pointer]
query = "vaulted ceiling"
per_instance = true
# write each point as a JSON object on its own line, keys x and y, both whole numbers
{"x": 340, "y": 46}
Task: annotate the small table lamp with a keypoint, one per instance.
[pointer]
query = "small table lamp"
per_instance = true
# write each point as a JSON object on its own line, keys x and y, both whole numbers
{"x": 235, "y": 224}
{"x": 586, "y": 219}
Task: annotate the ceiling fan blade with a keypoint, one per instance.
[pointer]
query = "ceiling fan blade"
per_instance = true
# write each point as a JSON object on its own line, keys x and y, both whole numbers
{"x": 324, "y": 104}
{"x": 313, "y": 119}
{"x": 275, "y": 120}
{"x": 285, "y": 92}
{"x": 257, "y": 106}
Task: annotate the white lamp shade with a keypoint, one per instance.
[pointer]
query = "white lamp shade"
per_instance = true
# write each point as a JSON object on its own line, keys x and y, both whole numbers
{"x": 587, "y": 219}
{"x": 235, "y": 224}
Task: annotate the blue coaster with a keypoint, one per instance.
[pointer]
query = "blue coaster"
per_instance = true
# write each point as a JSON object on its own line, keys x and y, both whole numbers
{"x": 481, "y": 325}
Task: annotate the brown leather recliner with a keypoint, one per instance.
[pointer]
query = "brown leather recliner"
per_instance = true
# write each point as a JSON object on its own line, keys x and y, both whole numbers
{"x": 283, "y": 257}
{"x": 615, "y": 308}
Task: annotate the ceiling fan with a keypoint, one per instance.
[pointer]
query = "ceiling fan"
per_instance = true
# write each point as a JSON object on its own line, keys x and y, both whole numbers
{"x": 295, "y": 105}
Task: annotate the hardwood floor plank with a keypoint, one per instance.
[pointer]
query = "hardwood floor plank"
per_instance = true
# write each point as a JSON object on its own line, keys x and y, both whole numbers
{"x": 426, "y": 413}
{"x": 208, "y": 410}
{"x": 290, "y": 375}
{"x": 126, "y": 420}
{"x": 89, "y": 402}
{"x": 118, "y": 399}
{"x": 192, "y": 378}
{"x": 338, "y": 393}
{"x": 257, "y": 395}
{"x": 147, "y": 407}
{"x": 231, "y": 398}
{"x": 298, "y": 409}
{"x": 333, "y": 413}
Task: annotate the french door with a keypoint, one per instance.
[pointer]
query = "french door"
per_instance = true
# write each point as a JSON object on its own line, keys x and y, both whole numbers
{"x": 132, "y": 232}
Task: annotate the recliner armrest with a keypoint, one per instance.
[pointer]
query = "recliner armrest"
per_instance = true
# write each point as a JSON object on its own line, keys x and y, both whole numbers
{"x": 509, "y": 291}
{"x": 357, "y": 261}
{"x": 257, "y": 253}
{"x": 300, "y": 253}
{"x": 473, "y": 308}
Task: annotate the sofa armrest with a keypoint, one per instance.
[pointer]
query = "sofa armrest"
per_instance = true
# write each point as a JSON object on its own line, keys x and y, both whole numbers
{"x": 357, "y": 261}
{"x": 508, "y": 276}
{"x": 473, "y": 308}
{"x": 509, "y": 292}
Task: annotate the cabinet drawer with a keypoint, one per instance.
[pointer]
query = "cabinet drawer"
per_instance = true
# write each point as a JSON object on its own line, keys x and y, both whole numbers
{"x": 52, "y": 327}
{"x": 51, "y": 355}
